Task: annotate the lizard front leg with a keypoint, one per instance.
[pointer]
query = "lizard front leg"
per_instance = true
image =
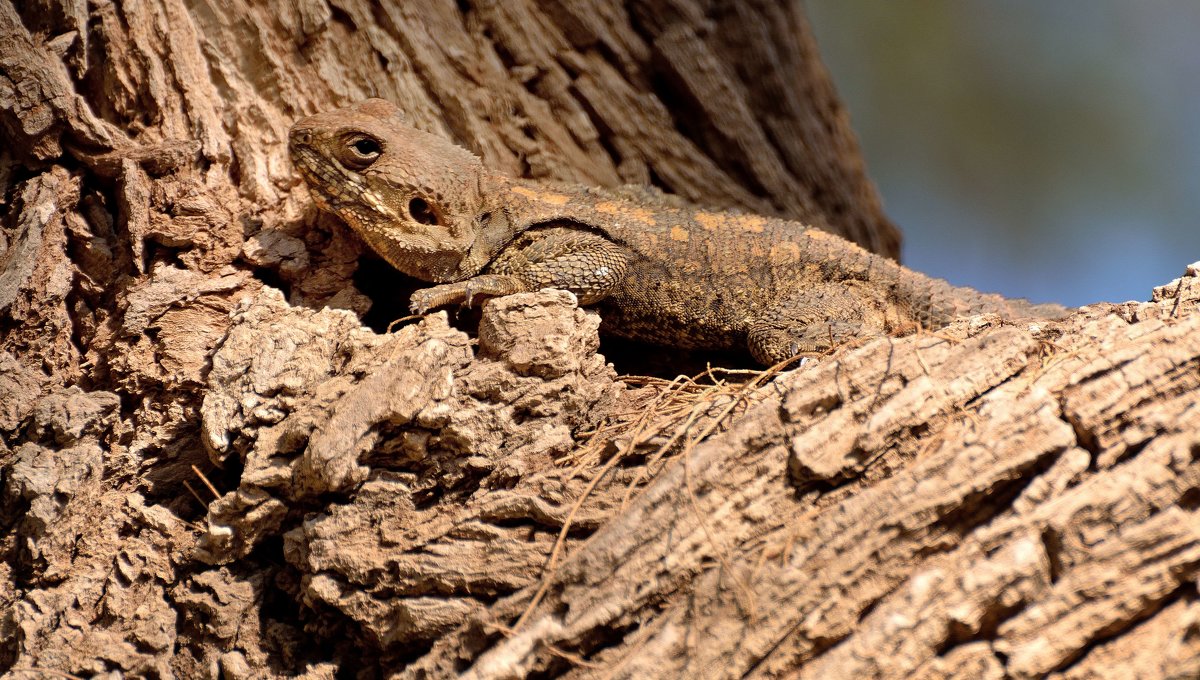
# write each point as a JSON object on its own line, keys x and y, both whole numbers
{"x": 464, "y": 292}
{"x": 585, "y": 263}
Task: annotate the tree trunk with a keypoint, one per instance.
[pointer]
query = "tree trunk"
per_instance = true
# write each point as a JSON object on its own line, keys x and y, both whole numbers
{"x": 216, "y": 463}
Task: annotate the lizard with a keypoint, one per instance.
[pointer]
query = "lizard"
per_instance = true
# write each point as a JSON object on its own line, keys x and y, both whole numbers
{"x": 658, "y": 272}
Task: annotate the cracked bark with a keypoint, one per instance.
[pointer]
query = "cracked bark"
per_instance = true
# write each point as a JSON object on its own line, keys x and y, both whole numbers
{"x": 994, "y": 501}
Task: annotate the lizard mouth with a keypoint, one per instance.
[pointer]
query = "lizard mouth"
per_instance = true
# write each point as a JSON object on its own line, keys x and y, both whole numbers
{"x": 330, "y": 184}
{"x": 300, "y": 149}
{"x": 333, "y": 188}
{"x": 317, "y": 172}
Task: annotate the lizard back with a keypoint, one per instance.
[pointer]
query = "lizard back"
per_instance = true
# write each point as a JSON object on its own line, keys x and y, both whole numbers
{"x": 714, "y": 273}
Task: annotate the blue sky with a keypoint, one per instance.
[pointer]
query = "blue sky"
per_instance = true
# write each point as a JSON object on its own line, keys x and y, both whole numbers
{"x": 1040, "y": 150}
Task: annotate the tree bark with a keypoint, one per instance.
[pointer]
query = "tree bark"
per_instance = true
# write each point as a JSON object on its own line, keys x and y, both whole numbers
{"x": 215, "y": 462}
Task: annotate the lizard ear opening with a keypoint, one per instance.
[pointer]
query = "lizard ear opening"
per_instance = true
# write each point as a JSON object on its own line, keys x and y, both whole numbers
{"x": 420, "y": 211}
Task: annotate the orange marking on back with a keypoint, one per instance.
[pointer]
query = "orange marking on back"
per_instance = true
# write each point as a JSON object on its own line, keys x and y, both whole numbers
{"x": 544, "y": 197}
{"x": 643, "y": 215}
{"x": 679, "y": 234}
{"x": 751, "y": 223}
{"x": 785, "y": 251}
{"x": 710, "y": 221}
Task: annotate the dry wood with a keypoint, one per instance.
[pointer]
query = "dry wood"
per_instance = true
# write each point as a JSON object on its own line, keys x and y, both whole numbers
{"x": 210, "y": 467}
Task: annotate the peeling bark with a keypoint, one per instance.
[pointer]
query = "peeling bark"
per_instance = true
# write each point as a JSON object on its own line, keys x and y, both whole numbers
{"x": 215, "y": 462}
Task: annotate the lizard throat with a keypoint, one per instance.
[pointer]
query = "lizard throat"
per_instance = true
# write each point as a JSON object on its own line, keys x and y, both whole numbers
{"x": 420, "y": 262}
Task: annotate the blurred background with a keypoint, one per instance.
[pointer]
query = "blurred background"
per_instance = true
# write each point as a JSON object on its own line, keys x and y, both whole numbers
{"x": 1040, "y": 150}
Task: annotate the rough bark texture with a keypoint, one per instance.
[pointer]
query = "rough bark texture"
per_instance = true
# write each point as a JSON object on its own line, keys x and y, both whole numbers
{"x": 990, "y": 502}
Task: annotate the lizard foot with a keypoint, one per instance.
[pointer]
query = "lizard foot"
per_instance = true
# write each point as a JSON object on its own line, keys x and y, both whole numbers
{"x": 422, "y": 301}
{"x": 769, "y": 343}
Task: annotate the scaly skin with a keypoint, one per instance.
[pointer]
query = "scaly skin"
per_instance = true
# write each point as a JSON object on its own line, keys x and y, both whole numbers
{"x": 658, "y": 272}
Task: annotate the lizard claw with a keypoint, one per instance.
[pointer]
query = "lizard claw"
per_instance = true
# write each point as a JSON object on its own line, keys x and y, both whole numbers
{"x": 419, "y": 303}
{"x": 425, "y": 300}
{"x": 473, "y": 289}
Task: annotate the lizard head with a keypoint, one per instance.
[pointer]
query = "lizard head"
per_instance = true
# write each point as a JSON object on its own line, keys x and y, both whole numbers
{"x": 415, "y": 198}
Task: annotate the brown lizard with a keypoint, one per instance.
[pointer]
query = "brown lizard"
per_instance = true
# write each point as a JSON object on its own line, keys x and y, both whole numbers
{"x": 658, "y": 272}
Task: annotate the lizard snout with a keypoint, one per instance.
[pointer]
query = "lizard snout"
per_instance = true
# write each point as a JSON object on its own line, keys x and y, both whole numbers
{"x": 299, "y": 136}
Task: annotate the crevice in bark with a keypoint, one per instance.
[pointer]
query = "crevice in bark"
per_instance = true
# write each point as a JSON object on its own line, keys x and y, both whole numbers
{"x": 674, "y": 95}
{"x": 1053, "y": 545}
{"x": 1190, "y": 500}
{"x": 980, "y": 508}
{"x": 1186, "y": 592}
{"x": 343, "y": 17}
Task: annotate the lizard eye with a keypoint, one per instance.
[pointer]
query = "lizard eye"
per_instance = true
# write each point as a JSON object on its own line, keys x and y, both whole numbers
{"x": 420, "y": 211}
{"x": 359, "y": 151}
{"x": 367, "y": 147}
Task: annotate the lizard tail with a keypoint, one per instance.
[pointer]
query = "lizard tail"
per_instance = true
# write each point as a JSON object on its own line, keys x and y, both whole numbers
{"x": 936, "y": 303}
